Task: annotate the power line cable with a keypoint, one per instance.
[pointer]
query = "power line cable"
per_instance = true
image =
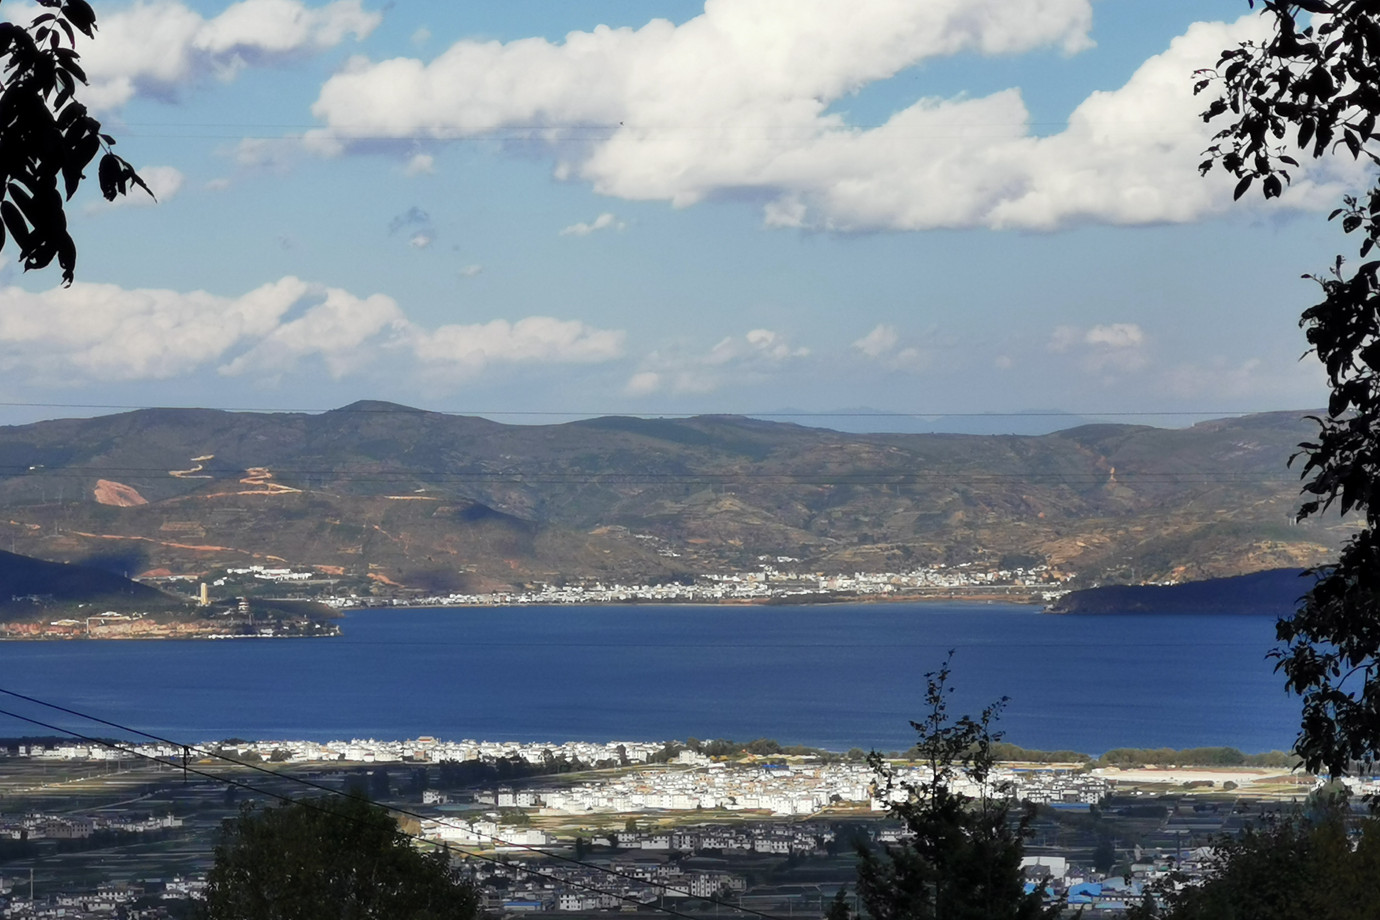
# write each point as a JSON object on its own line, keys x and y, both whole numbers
{"x": 329, "y": 790}
{"x": 307, "y": 803}
{"x": 336, "y": 792}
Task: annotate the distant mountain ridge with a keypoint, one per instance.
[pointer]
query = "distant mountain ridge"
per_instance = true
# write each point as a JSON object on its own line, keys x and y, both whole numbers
{"x": 431, "y": 502}
{"x": 863, "y": 420}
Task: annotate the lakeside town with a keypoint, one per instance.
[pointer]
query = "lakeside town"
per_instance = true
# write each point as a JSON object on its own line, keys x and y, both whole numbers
{"x": 237, "y": 616}
{"x": 775, "y": 581}
{"x": 673, "y": 823}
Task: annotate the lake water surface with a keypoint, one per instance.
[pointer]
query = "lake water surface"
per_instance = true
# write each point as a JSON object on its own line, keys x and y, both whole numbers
{"x": 835, "y": 676}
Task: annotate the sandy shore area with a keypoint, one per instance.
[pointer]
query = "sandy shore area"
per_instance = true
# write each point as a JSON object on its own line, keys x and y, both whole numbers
{"x": 1177, "y": 776}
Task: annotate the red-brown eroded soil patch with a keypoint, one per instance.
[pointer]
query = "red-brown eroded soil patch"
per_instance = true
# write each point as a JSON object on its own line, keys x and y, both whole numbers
{"x": 117, "y": 494}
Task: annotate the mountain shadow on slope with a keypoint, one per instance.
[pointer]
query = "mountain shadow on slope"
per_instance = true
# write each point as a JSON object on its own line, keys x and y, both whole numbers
{"x": 117, "y": 562}
{"x": 24, "y": 577}
{"x": 1274, "y": 592}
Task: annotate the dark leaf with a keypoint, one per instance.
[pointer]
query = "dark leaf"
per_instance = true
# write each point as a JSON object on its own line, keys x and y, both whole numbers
{"x": 109, "y": 175}
{"x": 67, "y": 257}
{"x": 1241, "y": 187}
{"x": 14, "y": 220}
{"x": 78, "y": 156}
{"x": 80, "y": 14}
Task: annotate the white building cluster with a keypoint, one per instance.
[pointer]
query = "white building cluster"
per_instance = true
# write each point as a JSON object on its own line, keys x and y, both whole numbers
{"x": 432, "y": 750}
{"x": 768, "y": 583}
{"x": 694, "y": 782}
{"x": 100, "y": 752}
{"x": 796, "y": 789}
{"x": 484, "y": 833}
{"x": 577, "y": 888}
{"x": 265, "y": 573}
{"x": 110, "y": 899}
{"x": 781, "y": 790}
{"x": 417, "y": 750}
{"x": 40, "y": 826}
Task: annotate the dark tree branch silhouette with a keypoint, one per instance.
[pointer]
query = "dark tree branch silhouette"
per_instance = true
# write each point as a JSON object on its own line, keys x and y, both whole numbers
{"x": 47, "y": 137}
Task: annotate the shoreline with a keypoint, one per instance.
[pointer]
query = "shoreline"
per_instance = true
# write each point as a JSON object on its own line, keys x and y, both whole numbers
{"x": 1022, "y": 599}
{"x": 22, "y": 631}
{"x": 418, "y": 750}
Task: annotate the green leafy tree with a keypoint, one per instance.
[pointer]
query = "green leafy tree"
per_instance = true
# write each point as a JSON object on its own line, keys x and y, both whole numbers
{"x": 1294, "y": 869}
{"x": 328, "y": 859}
{"x": 961, "y": 859}
{"x": 47, "y": 137}
{"x": 1313, "y": 89}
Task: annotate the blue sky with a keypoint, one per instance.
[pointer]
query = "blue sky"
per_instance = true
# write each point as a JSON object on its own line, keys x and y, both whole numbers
{"x": 535, "y": 210}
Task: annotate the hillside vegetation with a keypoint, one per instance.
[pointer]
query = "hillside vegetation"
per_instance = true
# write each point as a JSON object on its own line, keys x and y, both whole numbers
{"x": 436, "y": 502}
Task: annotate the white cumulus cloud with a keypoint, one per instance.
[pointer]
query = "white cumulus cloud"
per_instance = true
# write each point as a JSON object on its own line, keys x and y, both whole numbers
{"x": 1111, "y": 347}
{"x": 741, "y": 359}
{"x": 740, "y": 101}
{"x": 1115, "y": 335}
{"x": 421, "y": 164}
{"x": 469, "y": 349}
{"x": 344, "y": 330}
{"x": 643, "y": 383}
{"x": 105, "y": 332}
{"x": 884, "y": 347}
{"x": 736, "y": 98}
{"x": 1111, "y": 335}
{"x": 158, "y": 48}
{"x": 878, "y": 342}
{"x": 102, "y": 332}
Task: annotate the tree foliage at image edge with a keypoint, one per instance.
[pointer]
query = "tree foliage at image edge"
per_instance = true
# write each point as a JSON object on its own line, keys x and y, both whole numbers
{"x": 1313, "y": 89}
{"x": 47, "y": 137}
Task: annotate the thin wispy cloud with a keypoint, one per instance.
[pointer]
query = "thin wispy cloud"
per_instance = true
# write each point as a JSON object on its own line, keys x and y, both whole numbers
{"x": 605, "y": 221}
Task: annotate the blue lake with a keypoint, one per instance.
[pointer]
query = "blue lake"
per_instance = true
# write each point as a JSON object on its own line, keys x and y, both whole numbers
{"x": 835, "y": 676}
